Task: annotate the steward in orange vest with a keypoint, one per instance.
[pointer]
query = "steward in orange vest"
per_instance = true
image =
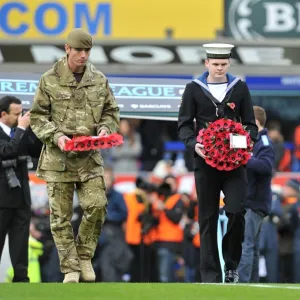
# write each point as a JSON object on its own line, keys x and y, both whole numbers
{"x": 169, "y": 231}
{"x": 139, "y": 230}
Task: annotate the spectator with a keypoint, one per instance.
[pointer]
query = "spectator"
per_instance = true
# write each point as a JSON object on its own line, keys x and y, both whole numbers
{"x": 115, "y": 255}
{"x": 125, "y": 157}
{"x": 278, "y": 143}
{"x": 17, "y": 142}
{"x": 259, "y": 199}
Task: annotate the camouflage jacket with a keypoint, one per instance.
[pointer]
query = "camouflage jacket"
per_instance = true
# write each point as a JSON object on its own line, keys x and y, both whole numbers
{"x": 62, "y": 106}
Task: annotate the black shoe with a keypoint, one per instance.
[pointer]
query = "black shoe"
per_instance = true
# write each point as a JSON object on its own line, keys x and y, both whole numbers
{"x": 20, "y": 279}
{"x": 231, "y": 276}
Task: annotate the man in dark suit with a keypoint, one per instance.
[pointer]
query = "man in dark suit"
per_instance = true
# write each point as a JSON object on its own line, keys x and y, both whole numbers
{"x": 17, "y": 142}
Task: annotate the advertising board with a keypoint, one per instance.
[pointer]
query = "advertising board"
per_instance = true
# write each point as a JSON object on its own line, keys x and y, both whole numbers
{"x": 110, "y": 19}
{"x": 260, "y": 19}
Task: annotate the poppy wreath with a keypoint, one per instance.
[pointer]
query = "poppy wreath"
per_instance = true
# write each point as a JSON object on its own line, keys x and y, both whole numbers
{"x": 216, "y": 141}
{"x": 86, "y": 143}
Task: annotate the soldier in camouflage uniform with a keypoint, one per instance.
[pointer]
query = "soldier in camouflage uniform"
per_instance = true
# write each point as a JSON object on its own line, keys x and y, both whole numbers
{"x": 74, "y": 99}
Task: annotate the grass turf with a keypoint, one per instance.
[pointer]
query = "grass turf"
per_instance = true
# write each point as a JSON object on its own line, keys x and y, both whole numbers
{"x": 146, "y": 291}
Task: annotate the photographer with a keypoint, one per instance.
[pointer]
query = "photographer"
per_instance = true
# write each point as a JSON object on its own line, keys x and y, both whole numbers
{"x": 17, "y": 142}
{"x": 140, "y": 225}
{"x": 170, "y": 233}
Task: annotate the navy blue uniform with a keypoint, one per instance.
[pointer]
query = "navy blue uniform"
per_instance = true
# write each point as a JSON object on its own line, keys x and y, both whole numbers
{"x": 198, "y": 103}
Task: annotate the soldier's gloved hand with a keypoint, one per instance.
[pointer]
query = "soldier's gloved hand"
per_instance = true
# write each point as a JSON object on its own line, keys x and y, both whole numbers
{"x": 199, "y": 150}
{"x": 62, "y": 141}
{"x": 102, "y": 133}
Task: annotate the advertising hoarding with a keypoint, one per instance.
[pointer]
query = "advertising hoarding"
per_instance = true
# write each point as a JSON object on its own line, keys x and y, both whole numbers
{"x": 156, "y": 98}
{"x": 158, "y": 54}
{"x": 110, "y": 19}
{"x": 260, "y": 19}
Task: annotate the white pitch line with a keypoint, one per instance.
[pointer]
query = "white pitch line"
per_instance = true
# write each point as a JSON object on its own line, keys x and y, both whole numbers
{"x": 272, "y": 286}
{"x": 267, "y": 286}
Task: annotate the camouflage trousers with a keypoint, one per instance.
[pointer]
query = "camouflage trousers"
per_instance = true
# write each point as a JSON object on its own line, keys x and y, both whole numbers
{"x": 92, "y": 199}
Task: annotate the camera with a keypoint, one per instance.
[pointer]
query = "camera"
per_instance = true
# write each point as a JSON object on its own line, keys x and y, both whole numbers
{"x": 24, "y": 111}
{"x": 164, "y": 190}
{"x": 9, "y": 166}
{"x": 144, "y": 185}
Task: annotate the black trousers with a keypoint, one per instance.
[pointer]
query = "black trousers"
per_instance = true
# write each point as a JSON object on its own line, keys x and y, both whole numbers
{"x": 209, "y": 183}
{"x": 16, "y": 222}
{"x": 143, "y": 266}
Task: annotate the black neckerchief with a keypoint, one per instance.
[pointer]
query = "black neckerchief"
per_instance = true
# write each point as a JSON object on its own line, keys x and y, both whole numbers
{"x": 220, "y": 106}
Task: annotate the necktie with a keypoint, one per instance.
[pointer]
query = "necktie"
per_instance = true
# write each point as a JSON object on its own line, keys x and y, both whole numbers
{"x": 12, "y": 133}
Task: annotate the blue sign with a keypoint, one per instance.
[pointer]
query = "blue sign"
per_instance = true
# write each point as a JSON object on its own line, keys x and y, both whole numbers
{"x": 132, "y": 94}
{"x": 35, "y": 19}
{"x": 291, "y": 83}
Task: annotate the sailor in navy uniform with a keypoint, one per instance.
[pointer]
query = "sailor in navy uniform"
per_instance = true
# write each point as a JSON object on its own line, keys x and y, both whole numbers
{"x": 207, "y": 99}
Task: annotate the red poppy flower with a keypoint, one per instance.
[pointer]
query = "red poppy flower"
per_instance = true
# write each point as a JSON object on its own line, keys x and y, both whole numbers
{"x": 226, "y": 124}
{"x": 239, "y": 127}
{"x": 218, "y": 126}
{"x": 233, "y": 158}
{"x": 219, "y": 139}
{"x": 221, "y": 147}
{"x": 69, "y": 145}
{"x": 214, "y": 154}
{"x": 226, "y": 159}
{"x": 233, "y": 128}
{"x": 85, "y": 143}
{"x": 215, "y": 139}
{"x": 231, "y": 105}
{"x": 222, "y": 166}
{"x": 200, "y": 136}
{"x": 208, "y": 133}
{"x": 208, "y": 147}
{"x": 199, "y": 139}
{"x": 227, "y": 149}
{"x": 212, "y": 128}
{"x": 201, "y": 132}
{"x": 220, "y": 123}
{"x": 246, "y": 157}
{"x": 239, "y": 156}
{"x": 81, "y": 139}
{"x": 206, "y": 141}
{"x": 229, "y": 167}
{"x": 211, "y": 161}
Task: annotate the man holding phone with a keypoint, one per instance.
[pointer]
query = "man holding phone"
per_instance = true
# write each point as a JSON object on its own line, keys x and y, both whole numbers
{"x": 17, "y": 142}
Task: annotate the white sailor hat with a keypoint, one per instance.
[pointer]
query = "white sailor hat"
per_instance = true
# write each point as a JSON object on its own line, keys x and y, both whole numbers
{"x": 218, "y": 50}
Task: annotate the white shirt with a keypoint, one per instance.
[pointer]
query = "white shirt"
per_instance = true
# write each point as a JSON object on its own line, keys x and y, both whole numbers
{"x": 7, "y": 129}
{"x": 218, "y": 90}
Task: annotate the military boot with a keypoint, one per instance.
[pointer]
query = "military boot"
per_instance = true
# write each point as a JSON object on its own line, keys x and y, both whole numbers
{"x": 72, "y": 277}
{"x": 87, "y": 271}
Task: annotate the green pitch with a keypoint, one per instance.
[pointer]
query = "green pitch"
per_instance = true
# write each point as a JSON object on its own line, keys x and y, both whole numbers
{"x": 147, "y": 291}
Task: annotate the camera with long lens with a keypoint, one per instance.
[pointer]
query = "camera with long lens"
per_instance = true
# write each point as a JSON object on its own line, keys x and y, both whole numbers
{"x": 144, "y": 185}
{"x": 146, "y": 218}
{"x": 9, "y": 166}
